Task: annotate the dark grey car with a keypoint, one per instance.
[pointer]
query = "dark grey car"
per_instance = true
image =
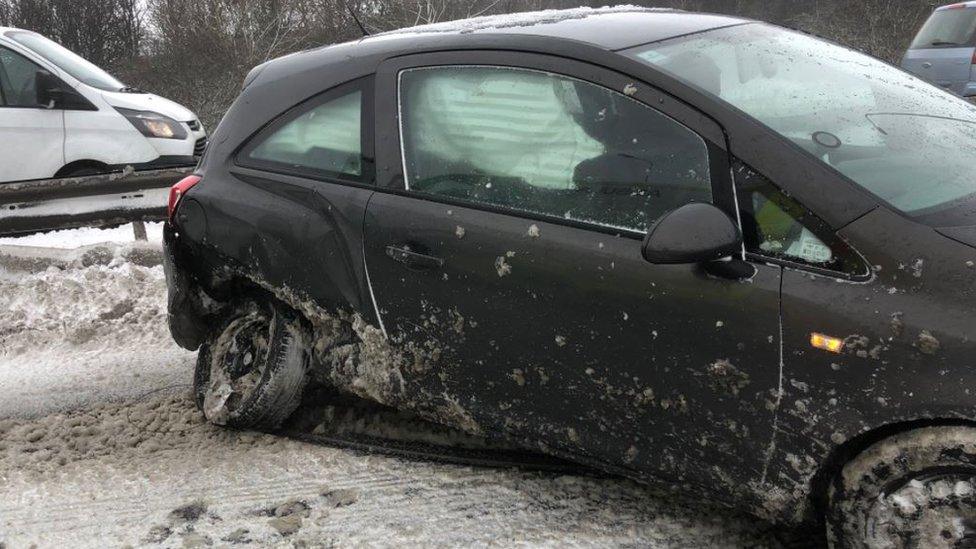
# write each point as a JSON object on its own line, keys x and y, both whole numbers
{"x": 680, "y": 247}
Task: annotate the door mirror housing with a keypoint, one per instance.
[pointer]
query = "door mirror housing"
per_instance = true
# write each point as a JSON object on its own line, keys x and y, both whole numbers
{"x": 694, "y": 233}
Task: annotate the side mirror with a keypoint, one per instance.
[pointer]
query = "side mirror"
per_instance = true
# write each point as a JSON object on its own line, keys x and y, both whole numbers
{"x": 694, "y": 233}
{"x": 50, "y": 90}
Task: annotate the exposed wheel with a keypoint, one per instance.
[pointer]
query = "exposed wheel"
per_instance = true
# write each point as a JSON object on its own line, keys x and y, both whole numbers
{"x": 250, "y": 373}
{"x": 915, "y": 489}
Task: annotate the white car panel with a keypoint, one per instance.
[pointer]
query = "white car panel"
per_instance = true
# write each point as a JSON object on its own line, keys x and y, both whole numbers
{"x": 104, "y": 136}
{"x": 31, "y": 143}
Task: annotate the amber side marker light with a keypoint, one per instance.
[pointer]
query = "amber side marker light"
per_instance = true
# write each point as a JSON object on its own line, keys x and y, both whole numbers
{"x": 826, "y": 343}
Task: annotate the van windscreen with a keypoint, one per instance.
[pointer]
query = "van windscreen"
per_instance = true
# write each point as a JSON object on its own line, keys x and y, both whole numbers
{"x": 947, "y": 28}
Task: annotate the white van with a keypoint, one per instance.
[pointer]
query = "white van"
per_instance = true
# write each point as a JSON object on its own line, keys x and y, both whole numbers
{"x": 62, "y": 116}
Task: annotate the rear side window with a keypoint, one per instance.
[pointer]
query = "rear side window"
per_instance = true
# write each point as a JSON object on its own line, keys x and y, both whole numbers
{"x": 18, "y": 80}
{"x": 546, "y": 144}
{"x": 324, "y": 138}
{"x": 947, "y": 28}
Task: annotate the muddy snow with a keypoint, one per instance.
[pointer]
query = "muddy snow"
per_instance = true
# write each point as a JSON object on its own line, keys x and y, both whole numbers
{"x": 101, "y": 446}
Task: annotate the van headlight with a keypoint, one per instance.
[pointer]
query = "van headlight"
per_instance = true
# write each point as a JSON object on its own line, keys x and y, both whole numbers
{"x": 153, "y": 124}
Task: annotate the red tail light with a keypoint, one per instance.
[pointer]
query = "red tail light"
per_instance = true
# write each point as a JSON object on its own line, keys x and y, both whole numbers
{"x": 177, "y": 191}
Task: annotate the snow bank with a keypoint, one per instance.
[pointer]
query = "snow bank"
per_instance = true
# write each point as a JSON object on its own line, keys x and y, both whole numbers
{"x": 119, "y": 304}
{"x": 74, "y": 337}
{"x": 85, "y": 236}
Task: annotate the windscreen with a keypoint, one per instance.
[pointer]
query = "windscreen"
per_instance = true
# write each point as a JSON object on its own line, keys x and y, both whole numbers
{"x": 67, "y": 61}
{"x": 905, "y": 141}
{"x": 947, "y": 28}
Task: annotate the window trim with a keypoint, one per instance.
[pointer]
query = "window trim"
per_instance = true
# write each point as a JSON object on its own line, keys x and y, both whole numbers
{"x": 367, "y": 176}
{"x": 818, "y": 271}
{"x": 622, "y": 232}
{"x": 717, "y": 157}
{"x": 819, "y": 232}
{"x": 3, "y": 95}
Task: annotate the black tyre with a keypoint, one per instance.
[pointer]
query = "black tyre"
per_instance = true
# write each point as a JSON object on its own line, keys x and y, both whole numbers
{"x": 250, "y": 373}
{"x": 915, "y": 489}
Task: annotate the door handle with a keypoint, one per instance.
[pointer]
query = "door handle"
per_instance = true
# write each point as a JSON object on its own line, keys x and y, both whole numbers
{"x": 927, "y": 65}
{"x": 412, "y": 259}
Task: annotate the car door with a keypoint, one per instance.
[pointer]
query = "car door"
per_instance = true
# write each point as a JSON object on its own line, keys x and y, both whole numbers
{"x": 505, "y": 255}
{"x": 32, "y": 134}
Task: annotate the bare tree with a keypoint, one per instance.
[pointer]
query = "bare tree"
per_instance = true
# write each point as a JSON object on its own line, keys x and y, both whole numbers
{"x": 106, "y": 32}
{"x": 198, "y": 51}
{"x": 5, "y": 10}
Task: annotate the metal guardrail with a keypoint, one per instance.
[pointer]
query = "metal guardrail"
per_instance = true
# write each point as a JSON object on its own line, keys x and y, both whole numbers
{"x": 96, "y": 200}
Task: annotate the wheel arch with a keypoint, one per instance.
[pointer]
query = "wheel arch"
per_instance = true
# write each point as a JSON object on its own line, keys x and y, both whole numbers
{"x": 237, "y": 288}
{"x": 78, "y": 165}
{"x": 843, "y": 454}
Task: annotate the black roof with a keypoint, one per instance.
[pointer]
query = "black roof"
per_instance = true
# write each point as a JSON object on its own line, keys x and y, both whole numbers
{"x": 612, "y": 28}
{"x": 602, "y": 29}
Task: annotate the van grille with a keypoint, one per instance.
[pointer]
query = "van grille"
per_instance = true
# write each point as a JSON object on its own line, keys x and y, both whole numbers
{"x": 200, "y": 146}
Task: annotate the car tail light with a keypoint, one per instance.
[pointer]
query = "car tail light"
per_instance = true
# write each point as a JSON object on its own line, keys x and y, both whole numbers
{"x": 177, "y": 191}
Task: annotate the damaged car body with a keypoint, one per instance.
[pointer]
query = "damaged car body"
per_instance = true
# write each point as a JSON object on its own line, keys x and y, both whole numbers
{"x": 685, "y": 248}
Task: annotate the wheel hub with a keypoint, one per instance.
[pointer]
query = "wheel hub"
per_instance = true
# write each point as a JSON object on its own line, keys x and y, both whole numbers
{"x": 238, "y": 365}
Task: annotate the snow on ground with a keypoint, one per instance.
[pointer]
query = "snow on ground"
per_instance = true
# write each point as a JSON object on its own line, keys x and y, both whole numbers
{"x": 84, "y": 236}
{"x": 100, "y": 446}
{"x": 71, "y": 338}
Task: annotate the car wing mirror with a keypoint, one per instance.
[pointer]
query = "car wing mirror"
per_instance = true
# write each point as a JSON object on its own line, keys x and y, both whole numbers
{"x": 694, "y": 233}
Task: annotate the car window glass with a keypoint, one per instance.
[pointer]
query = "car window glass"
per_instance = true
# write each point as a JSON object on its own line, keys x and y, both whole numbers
{"x": 947, "y": 28}
{"x": 326, "y": 138}
{"x": 547, "y": 144}
{"x": 19, "y": 78}
{"x": 908, "y": 142}
{"x": 776, "y": 225}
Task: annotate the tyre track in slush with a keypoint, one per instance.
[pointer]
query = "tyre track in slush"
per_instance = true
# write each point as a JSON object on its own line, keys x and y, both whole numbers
{"x": 103, "y": 470}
